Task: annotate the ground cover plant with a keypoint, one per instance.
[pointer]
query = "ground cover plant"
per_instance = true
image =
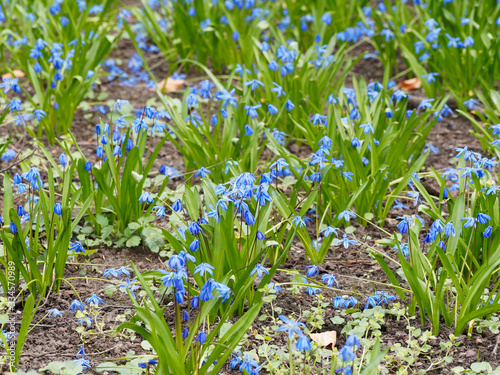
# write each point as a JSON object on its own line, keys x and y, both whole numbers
{"x": 249, "y": 186}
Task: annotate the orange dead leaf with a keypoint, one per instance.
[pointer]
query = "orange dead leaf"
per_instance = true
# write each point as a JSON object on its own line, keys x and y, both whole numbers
{"x": 410, "y": 84}
{"x": 327, "y": 339}
{"x": 17, "y": 74}
{"x": 170, "y": 84}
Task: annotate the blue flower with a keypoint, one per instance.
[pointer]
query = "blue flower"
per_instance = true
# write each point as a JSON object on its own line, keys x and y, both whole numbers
{"x": 80, "y": 359}
{"x": 176, "y": 261}
{"x": 278, "y": 90}
{"x": 425, "y": 104}
{"x": 195, "y": 302}
{"x": 384, "y": 297}
{"x": 240, "y": 69}
{"x": 226, "y": 97}
{"x": 297, "y": 220}
{"x": 251, "y": 110}
{"x": 398, "y": 205}
{"x": 312, "y": 270}
{"x": 195, "y": 245}
{"x": 206, "y": 290}
{"x": 128, "y": 286}
{"x": 403, "y": 248}
{"x": 201, "y": 338}
{"x": 367, "y": 128}
{"x": 77, "y": 247}
{"x": 329, "y": 279}
{"x": 328, "y": 231}
{"x": 388, "y": 34}
{"x": 94, "y": 300}
{"x": 372, "y": 301}
{"x": 279, "y": 164}
{"x": 303, "y": 343}
{"x": 272, "y": 109}
{"x": 311, "y": 291}
{"x": 351, "y": 302}
{"x": 404, "y": 225}
{"x": 194, "y": 228}
{"x": 430, "y": 77}
{"x": 449, "y": 230}
{"x": 346, "y": 215}
{"x": 353, "y": 340}
{"x": 260, "y": 270}
{"x": 146, "y": 197}
{"x": 249, "y": 365}
{"x": 86, "y": 320}
{"x": 52, "y": 313}
{"x": 326, "y": 18}
{"x": 202, "y": 172}
{"x": 345, "y": 241}
{"x": 483, "y": 218}
{"x": 487, "y": 232}
{"x": 160, "y": 211}
{"x": 290, "y": 326}
{"x": 248, "y": 130}
{"x": 469, "y": 222}
{"x": 347, "y": 354}
{"x": 339, "y": 302}
{"x": 203, "y": 269}
{"x": 254, "y": 84}
{"x": 224, "y": 291}
{"x": 76, "y": 305}
{"x": 318, "y": 119}
{"x": 470, "y": 104}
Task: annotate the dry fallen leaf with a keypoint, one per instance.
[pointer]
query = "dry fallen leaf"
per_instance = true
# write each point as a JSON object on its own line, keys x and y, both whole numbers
{"x": 410, "y": 84}
{"x": 327, "y": 339}
{"x": 170, "y": 84}
{"x": 17, "y": 74}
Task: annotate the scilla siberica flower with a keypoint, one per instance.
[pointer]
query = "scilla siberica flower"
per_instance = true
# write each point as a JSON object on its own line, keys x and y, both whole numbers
{"x": 291, "y": 327}
{"x": 63, "y": 160}
{"x": 76, "y": 305}
{"x": 202, "y": 172}
{"x": 129, "y": 286}
{"x": 303, "y": 343}
{"x": 487, "y": 232}
{"x": 346, "y": 215}
{"x": 279, "y": 164}
{"x": 404, "y": 225}
{"x": 94, "y": 300}
{"x": 329, "y": 280}
{"x": 298, "y": 221}
{"x": 206, "y": 290}
{"x": 52, "y": 313}
{"x": 58, "y": 209}
{"x": 345, "y": 241}
{"x": 146, "y": 197}
{"x": 260, "y": 270}
{"x": 312, "y": 270}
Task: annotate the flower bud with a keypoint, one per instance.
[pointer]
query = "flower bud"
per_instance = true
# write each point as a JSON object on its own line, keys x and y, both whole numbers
{"x": 58, "y": 209}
